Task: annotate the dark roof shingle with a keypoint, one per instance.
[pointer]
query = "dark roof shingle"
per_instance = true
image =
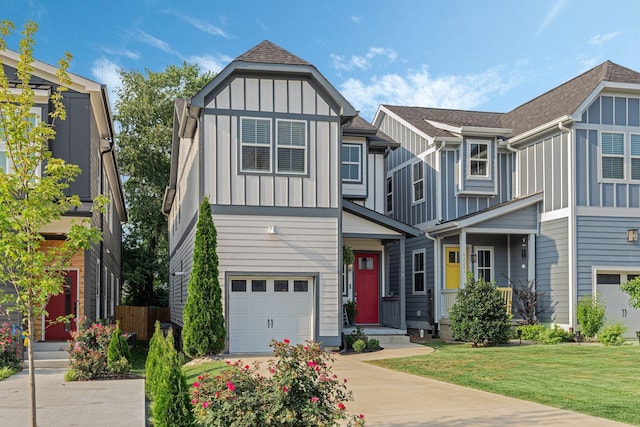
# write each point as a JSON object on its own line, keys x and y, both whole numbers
{"x": 270, "y": 53}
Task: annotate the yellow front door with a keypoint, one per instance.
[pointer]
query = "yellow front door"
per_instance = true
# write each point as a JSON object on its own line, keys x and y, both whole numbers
{"x": 452, "y": 267}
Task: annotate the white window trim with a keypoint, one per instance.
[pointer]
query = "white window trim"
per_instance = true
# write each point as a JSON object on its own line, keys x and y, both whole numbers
{"x": 113, "y": 294}
{"x": 359, "y": 163}
{"x": 476, "y": 265}
{"x": 631, "y": 157}
{"x": 270, "y": 145}
{"x": 626, "y": 162}
{"x": 3, "y": 143}
{"x": 414, "y": 182}
{"x": 388, "y": 194}
{"x": 294, "y": 147}
{"x": 98, "y": 273}
{"x": 487, "y": 160}
{"x": 414, "y": 272}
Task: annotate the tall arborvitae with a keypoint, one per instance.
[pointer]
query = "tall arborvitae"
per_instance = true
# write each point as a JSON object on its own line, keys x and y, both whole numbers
{"x": 153, "y": 365}
{"x": 203, "y": 331}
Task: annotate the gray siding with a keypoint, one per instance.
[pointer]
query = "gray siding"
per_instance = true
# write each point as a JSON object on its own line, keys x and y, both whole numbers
{"x": 412, "y": 143}
{"x": 552, "y": 270}
{"x": 525, "y": 219}
{"x": 478, "y": 184}
{"x": 602, "y": 242}
{"x": 181, "y": 260}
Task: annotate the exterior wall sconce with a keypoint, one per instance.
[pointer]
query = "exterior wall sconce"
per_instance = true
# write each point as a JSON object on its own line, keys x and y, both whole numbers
{"x": 474, "y": 257}
{"x": 632, "y": 235}
{"x": 271, "y": 229}
{"x": 178, "y": 273}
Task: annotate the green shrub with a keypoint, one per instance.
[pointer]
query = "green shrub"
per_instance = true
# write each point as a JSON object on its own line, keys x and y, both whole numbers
{"x": 88, "y": 351}
{"x": 590, "y": 315}
{"x": 171, "y": 407}
{"x": 531, "y": 332}
{"x": 203, "y": 331}
{"x": 70, "y": 375}
{"x": 373, "y": 344}
{"x": 479, "y": 315}
{"x": 9, "y": 357}
{"x": 153, "y": 364}
{"x": 612, "y": 334}
{"x": 632, "y": 287}
{"x": 359, "y": 346}
{"x": 118, "y": 354}
{"x": 300, "y": 391}
{"x": 555, "y": 335}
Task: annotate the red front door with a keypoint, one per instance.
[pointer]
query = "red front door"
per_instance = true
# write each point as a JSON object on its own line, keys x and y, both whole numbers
{"x": 62, "y": 305}
{"x": 367, "y": 284}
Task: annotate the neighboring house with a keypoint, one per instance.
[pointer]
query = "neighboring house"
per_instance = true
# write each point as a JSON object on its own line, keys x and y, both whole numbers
{"x": 275, "y": 147}
{"x": 85, "y": 138}
{"x": 549, "y": 191}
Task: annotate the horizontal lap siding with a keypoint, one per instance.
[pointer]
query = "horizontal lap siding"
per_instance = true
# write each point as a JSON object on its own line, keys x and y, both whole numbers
{"x": 181, "y": 260}
{"x": 300, "y": 245}
{"x": 552, "y": 270}
{"x": 602, "y": 242}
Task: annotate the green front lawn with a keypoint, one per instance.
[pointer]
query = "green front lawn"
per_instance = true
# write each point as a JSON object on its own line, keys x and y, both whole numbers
{"x": 587, "y": 378}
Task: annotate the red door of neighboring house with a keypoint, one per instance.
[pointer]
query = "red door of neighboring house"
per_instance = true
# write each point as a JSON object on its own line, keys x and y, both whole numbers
{"x": 62, "y": 305}
{"x": 367, "y": 285}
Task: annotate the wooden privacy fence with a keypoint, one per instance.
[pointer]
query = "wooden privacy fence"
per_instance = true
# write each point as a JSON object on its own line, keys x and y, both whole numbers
{"x": 141, "y": 320}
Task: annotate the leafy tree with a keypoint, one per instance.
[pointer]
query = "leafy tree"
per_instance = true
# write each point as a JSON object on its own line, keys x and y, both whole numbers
{"x": 590, "y": 315}
{"x": 632, "y": 287}
{"x": 31, "y": 200}
{"x": 479, "y": 315}
{"x": 203, "y": 331}
{"x": 145, "y": 114}
{"x": 171, "y": 406}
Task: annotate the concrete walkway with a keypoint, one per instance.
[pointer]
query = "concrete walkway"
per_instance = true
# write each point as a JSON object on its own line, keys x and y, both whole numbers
{"x": 110, "y": 403}
{"x": 390, "y": 398}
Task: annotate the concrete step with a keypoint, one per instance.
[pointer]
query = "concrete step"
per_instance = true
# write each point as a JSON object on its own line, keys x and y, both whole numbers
{"x": 50, "y": 346}
{"x": 49, "y": 354}
{"x": 47, "y": 363}
{"x": 390, "y": 339}
{"x": 43, "y": 355}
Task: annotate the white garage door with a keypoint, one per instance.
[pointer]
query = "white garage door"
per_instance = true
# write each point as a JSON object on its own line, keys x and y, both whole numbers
{"x": 618, "y": 309}
{"x": 262, "y": 309}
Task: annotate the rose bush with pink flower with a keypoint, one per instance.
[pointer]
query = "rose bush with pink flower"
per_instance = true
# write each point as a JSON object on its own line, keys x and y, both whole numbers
{"x": 9, "y": 357}
{"x": 299, "y": 390}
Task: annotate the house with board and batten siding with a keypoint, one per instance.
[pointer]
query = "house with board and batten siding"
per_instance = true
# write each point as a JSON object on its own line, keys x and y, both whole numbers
{"x": 549, "y": 191}
{"x": 292, "y": 174}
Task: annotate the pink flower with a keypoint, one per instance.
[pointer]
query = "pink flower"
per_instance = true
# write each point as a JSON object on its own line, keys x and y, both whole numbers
{"x": 341, "y": 406}
{"x": 193, "y": 401}
{"x": 306, "y": 347}
{"x": 246, "y": 366}
{"x": 361, "y": 416}
{"x": 311, "y": 364}
{"x": 217, "y": 394}
{"x": 196, "y": 384}
{"x": 314, "y": 399}
{"x": 285, "y": 388}
{"x": 286, "y": 341}
{"x": 205, "y": 404}
{"x": 200, "y": 377}
{"x": 272, "y": 370}
{"x": 230, "y": 386}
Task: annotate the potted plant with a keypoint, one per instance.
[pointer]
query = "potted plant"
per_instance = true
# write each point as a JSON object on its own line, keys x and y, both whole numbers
{"x": 352, "y": 311}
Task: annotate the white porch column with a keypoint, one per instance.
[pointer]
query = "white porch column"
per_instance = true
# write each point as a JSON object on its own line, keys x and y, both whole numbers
{"x": 463, "y": 258}
{"x": 403, "y": 288}
{"x": 531, "y": 268}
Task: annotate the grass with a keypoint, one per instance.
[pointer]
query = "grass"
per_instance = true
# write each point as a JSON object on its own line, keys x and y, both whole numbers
{"x": 191, "y": 372}
{"x": 139, "y": 357}
{"x": 588, "y": 378}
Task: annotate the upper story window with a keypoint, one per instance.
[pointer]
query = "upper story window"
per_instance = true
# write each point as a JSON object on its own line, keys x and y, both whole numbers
{"x": 612, "y": 150}
{"x": 291, "y": 146}
{"x": 635, "y": 156}
{"x": 255, "y": 137}
{"x": 479, "y": 159}
{"x": 418, "y": 182}
{"x": 389, "y": 194}
{"x": 5, "y": 162}
{"x": 352, "y": 162}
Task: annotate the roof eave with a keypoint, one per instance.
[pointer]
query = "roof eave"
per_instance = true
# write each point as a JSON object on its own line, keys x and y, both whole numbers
{"x": 523, "y": 137}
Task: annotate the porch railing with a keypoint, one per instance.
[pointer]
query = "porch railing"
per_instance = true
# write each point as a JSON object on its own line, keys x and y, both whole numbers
{"x": 449, "y": 298}
{"x": 391, "y": 312}
{"x": 507, "y": 296}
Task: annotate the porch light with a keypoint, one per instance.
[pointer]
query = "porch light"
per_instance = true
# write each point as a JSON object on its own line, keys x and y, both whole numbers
{"x": 271, "y": 229}
{"x": 632, "y": 235}
{"x": 474, "y": 257}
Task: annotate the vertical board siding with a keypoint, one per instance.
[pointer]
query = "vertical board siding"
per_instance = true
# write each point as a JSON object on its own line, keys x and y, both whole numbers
{"x": 552, "y": 270}
{"x": 424, "y": 302}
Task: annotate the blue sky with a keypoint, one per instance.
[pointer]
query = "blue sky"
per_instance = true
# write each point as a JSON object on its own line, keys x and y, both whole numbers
{"x": 472, "y": 54}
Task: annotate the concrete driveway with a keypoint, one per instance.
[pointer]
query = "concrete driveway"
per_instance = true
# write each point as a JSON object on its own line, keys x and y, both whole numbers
{"x": 390, "y": 398}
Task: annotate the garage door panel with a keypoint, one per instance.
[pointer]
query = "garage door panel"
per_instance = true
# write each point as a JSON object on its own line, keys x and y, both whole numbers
{"x": 618, "y": 310}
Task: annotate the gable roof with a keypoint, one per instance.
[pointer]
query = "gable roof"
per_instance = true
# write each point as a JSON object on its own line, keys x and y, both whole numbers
{"x": 270, "y": 53}
{"x": 561, "y": 101}
{"x": 361, "y": 127}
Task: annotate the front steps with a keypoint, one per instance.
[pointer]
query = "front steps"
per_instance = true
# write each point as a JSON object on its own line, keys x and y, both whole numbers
{"x": 387, "y": 337}
{"x": 48, "y": 354}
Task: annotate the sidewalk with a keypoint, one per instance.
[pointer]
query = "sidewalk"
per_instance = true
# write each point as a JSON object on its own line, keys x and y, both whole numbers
{"x": 109, "y": 403}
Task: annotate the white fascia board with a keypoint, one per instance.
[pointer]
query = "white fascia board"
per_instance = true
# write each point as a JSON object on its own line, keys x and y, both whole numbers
{"x": 449, "y": 128}
{"x": 549, "y": 125}
{"x": 484, "y": 131}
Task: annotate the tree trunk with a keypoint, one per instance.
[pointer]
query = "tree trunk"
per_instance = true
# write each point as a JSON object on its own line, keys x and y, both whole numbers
{"x": 32, "y": 371}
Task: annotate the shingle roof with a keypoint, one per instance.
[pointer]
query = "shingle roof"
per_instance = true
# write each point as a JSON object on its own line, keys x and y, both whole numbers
{"x": 360, "y": 125}
{"x": 269, "y": 53}
{"x": 560, "y": 101}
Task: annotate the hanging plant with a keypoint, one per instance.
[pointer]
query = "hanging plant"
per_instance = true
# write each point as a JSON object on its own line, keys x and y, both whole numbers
{"x": 347, "y": 255}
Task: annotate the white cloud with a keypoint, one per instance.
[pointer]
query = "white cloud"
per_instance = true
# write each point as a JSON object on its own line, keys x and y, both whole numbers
{"x": 154, "y": 42}
{"x": 418, "y": 88}
{"x": 551, "y": 15}
{"x": 209, "y": 62}
{"x": 199, "y": 24}
{"x": 587, "y": 63}
{"x": 106, "y": 72}
{"x": 356, "y": 19}
{"x": 599, "y": 39}
{"x": 124, "y": 52}
{"x": 362, "y": 62}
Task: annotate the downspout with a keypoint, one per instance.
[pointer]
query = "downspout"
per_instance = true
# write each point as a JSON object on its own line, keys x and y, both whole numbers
{"x": 573, "y": 288}
{"x": 436, "y": 241}
{"x": 102, "y": 153}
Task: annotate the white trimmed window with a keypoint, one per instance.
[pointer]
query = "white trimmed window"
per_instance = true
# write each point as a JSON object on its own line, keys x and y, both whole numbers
{"x": 612, "y": 155}
{"x": 419, "y": 287}
{"x": 389, "y": 195}
{"x": 418, "y": 182}
{"x": 635, "y": 156}
{"x": 479, "y": 159}
{"x": 255, "y": 137}
{"x": 351, "y": 162}
{"x": 484, "y": 264}
{"x": 5, "y": 161}
{"x": 291, "y": 146}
